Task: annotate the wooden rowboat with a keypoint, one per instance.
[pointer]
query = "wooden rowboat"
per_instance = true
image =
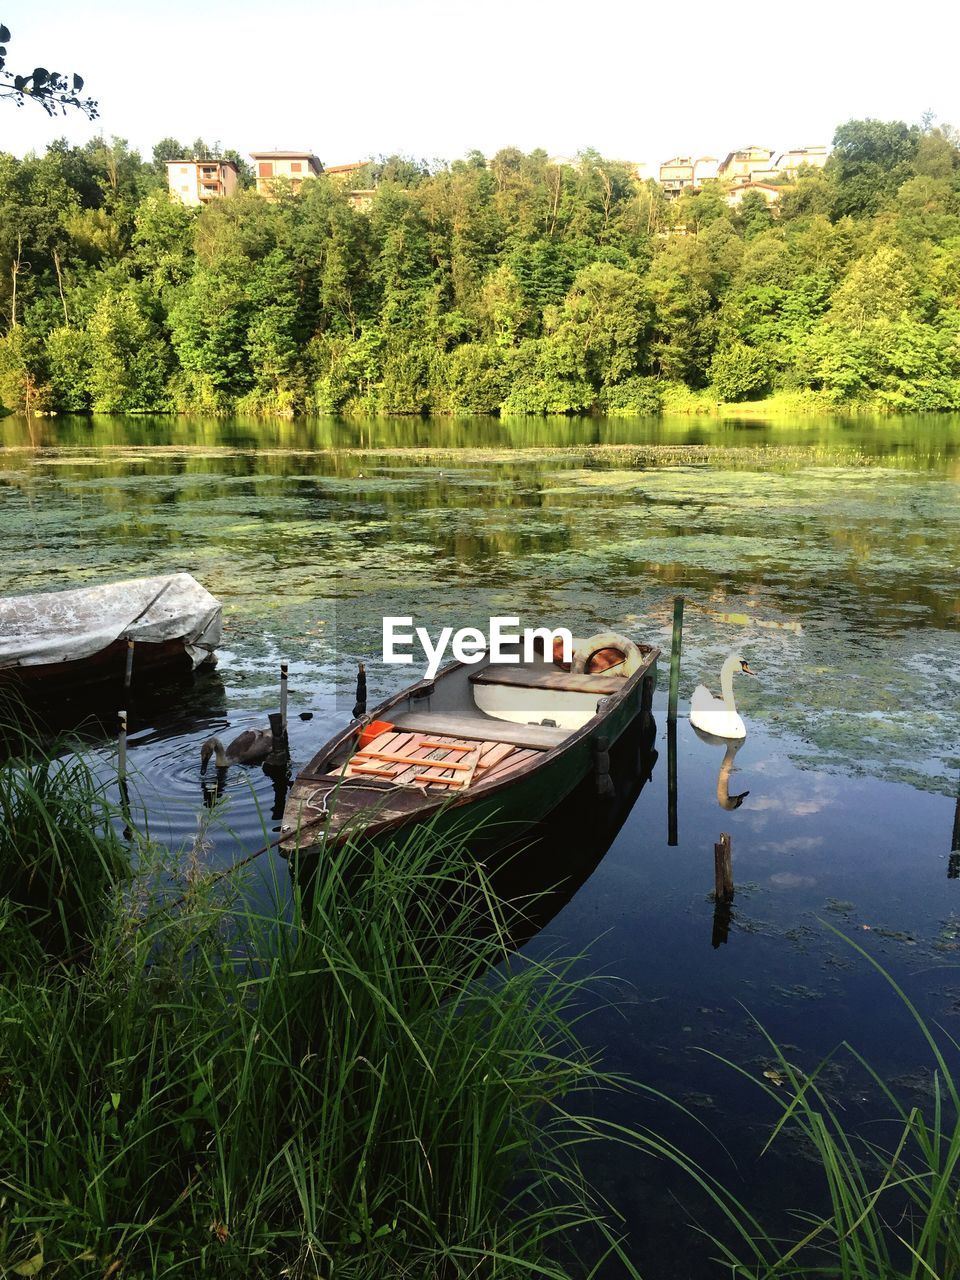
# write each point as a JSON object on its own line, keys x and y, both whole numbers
{"x": 491, "y": 745}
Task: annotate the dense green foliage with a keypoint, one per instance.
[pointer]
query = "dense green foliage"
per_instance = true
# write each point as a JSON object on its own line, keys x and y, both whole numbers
{"x": 367, "y": 1086}
{"x": 348, "y": 1088}
{"x": 520, "y": 286}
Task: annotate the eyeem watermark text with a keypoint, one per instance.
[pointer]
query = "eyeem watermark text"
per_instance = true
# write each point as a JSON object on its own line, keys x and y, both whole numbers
{"x": 469, "y": 644}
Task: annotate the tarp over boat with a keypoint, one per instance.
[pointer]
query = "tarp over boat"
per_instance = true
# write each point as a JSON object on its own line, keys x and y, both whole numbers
{"x": 67, "y": 626}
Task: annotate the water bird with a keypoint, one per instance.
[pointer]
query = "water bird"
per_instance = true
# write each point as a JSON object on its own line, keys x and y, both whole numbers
{"x": 250, "y": 747}
{"x": 719, "y": 716}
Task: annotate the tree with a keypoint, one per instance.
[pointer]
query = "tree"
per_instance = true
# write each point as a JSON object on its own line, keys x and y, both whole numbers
{"x": 605, "y": 323}
{"x": 869, "y": 161}
{"x": 128, "y": 358}
{"x": 164, "y": 150}
{"x": 737, "y": 372}
{"x": 54, "y": 92}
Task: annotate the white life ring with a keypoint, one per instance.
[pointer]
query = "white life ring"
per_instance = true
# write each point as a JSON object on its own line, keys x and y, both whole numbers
{"x": 632, "y": 657}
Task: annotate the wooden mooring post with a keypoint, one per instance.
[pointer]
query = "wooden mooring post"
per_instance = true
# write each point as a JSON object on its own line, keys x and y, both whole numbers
{"x": 122, "y": 786}
{"x": 722, "y": 890}
{"x": 283, "y": 697}
{"x": 360, "y": 705}
{"x": 279, "y": 756}
{"x": 723, "y": 869}
{"x": 128, "y": 669}
{"x": 675, "y": 648}
{"x": 122, "y": 747}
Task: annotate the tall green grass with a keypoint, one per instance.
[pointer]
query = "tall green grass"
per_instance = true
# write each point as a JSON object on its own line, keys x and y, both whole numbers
{"x": 360, "y": 1082}
{"x": 363, "y": 1086}
{"x": 59, "y": 855}
{"x": 890, "y": 1188}
{"x": 893, "y": 1188}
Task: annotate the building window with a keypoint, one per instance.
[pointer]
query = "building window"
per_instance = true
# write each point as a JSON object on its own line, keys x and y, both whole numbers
{"x": 296, "y": 166}
{"x": 265, "y": 170}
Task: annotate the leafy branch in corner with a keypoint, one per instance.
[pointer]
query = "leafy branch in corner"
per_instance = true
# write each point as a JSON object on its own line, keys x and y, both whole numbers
{"x": 52, "y": 90}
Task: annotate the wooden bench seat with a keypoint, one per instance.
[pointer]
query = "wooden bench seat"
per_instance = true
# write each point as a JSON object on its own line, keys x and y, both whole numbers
{"x": 540, "y": 737}
{"x": 547, "y": 678}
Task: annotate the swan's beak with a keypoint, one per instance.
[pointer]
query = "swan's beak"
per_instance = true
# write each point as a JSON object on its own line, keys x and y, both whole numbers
{"x": 744, "y": 667}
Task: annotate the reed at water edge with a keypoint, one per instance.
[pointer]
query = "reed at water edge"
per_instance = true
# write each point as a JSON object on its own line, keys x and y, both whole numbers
{"x": 364, "y": 1084}
{"x": 361, "y": 1085}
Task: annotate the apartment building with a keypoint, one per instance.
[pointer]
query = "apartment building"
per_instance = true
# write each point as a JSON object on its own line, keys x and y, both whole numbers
{"x": 195, "y": 182}
{"x": 294, "y": 166}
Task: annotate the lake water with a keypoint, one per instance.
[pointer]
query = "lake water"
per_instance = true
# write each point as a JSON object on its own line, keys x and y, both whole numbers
{"x": 826, "y": 552}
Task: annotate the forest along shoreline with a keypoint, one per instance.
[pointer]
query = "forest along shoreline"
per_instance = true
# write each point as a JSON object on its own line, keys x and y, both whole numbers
{"x": 510, "y": 286}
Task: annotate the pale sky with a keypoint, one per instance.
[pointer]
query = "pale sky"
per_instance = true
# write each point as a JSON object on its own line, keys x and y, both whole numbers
{"x": 349, "y": 79}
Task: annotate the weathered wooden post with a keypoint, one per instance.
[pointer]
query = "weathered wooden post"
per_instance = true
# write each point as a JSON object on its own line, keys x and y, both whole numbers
{"x": 122, "y": 773}
{"x": 283, "y": 698}
{"x": 722, "y": 890}
{"x": 122, "y": 747}
{"x": 360, "y": 705}
{"x": 723, "y": 869}
{"x": 128, "y": 669}
{"x": 675, "y": 659}
{"x": 280, "y": 751}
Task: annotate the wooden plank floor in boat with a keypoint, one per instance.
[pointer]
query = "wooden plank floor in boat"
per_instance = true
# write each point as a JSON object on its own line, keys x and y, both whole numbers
{"x": 396, "y": 774}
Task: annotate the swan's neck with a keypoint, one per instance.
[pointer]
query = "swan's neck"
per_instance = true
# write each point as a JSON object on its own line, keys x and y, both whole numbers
{"x": 726, "y": 684}
{"x": 220, "y": 754}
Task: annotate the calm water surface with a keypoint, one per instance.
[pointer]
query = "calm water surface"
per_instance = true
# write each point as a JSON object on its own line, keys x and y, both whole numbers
{"x": 827, "y": 553}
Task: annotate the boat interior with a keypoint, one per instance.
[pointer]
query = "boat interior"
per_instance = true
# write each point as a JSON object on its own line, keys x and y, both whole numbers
{"x": 474, "y": 723}
{"x": 471, "y": 725}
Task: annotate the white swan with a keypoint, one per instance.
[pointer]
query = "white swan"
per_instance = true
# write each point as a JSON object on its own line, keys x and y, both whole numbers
{"x": 719, "y": 716}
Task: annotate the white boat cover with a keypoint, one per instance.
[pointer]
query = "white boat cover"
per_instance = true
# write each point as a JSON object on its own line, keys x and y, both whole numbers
{"x": 64, "y": 626}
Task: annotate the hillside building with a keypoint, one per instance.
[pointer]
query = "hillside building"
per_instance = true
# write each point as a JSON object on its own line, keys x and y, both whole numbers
{"x": 294, "y": 166}
{"x": 676, "y": 175}
{"x": 790, "y": 162}
{"x": 737, "y": 192}
{"x": 195, "y": 182}
{"x": 747, "y": 163}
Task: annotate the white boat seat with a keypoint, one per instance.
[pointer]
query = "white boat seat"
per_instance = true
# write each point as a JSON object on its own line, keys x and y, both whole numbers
{"x": 540, "y": 737}
{"x": 548, "y": 678}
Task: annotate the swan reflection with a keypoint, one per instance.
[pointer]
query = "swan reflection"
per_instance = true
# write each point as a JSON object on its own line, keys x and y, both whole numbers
{"x": 724, "y": 798}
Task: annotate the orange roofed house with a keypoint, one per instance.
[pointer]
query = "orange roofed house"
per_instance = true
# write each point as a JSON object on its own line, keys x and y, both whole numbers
{"x": 292, "y": 165}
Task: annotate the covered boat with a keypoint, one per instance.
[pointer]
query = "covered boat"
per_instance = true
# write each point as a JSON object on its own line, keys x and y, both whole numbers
{"x": 82, "y": 634}
{"x": 507, "y": 741}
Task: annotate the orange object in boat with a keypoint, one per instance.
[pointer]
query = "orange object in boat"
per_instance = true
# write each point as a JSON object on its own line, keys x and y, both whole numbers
{"x": 374, "y": 730}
